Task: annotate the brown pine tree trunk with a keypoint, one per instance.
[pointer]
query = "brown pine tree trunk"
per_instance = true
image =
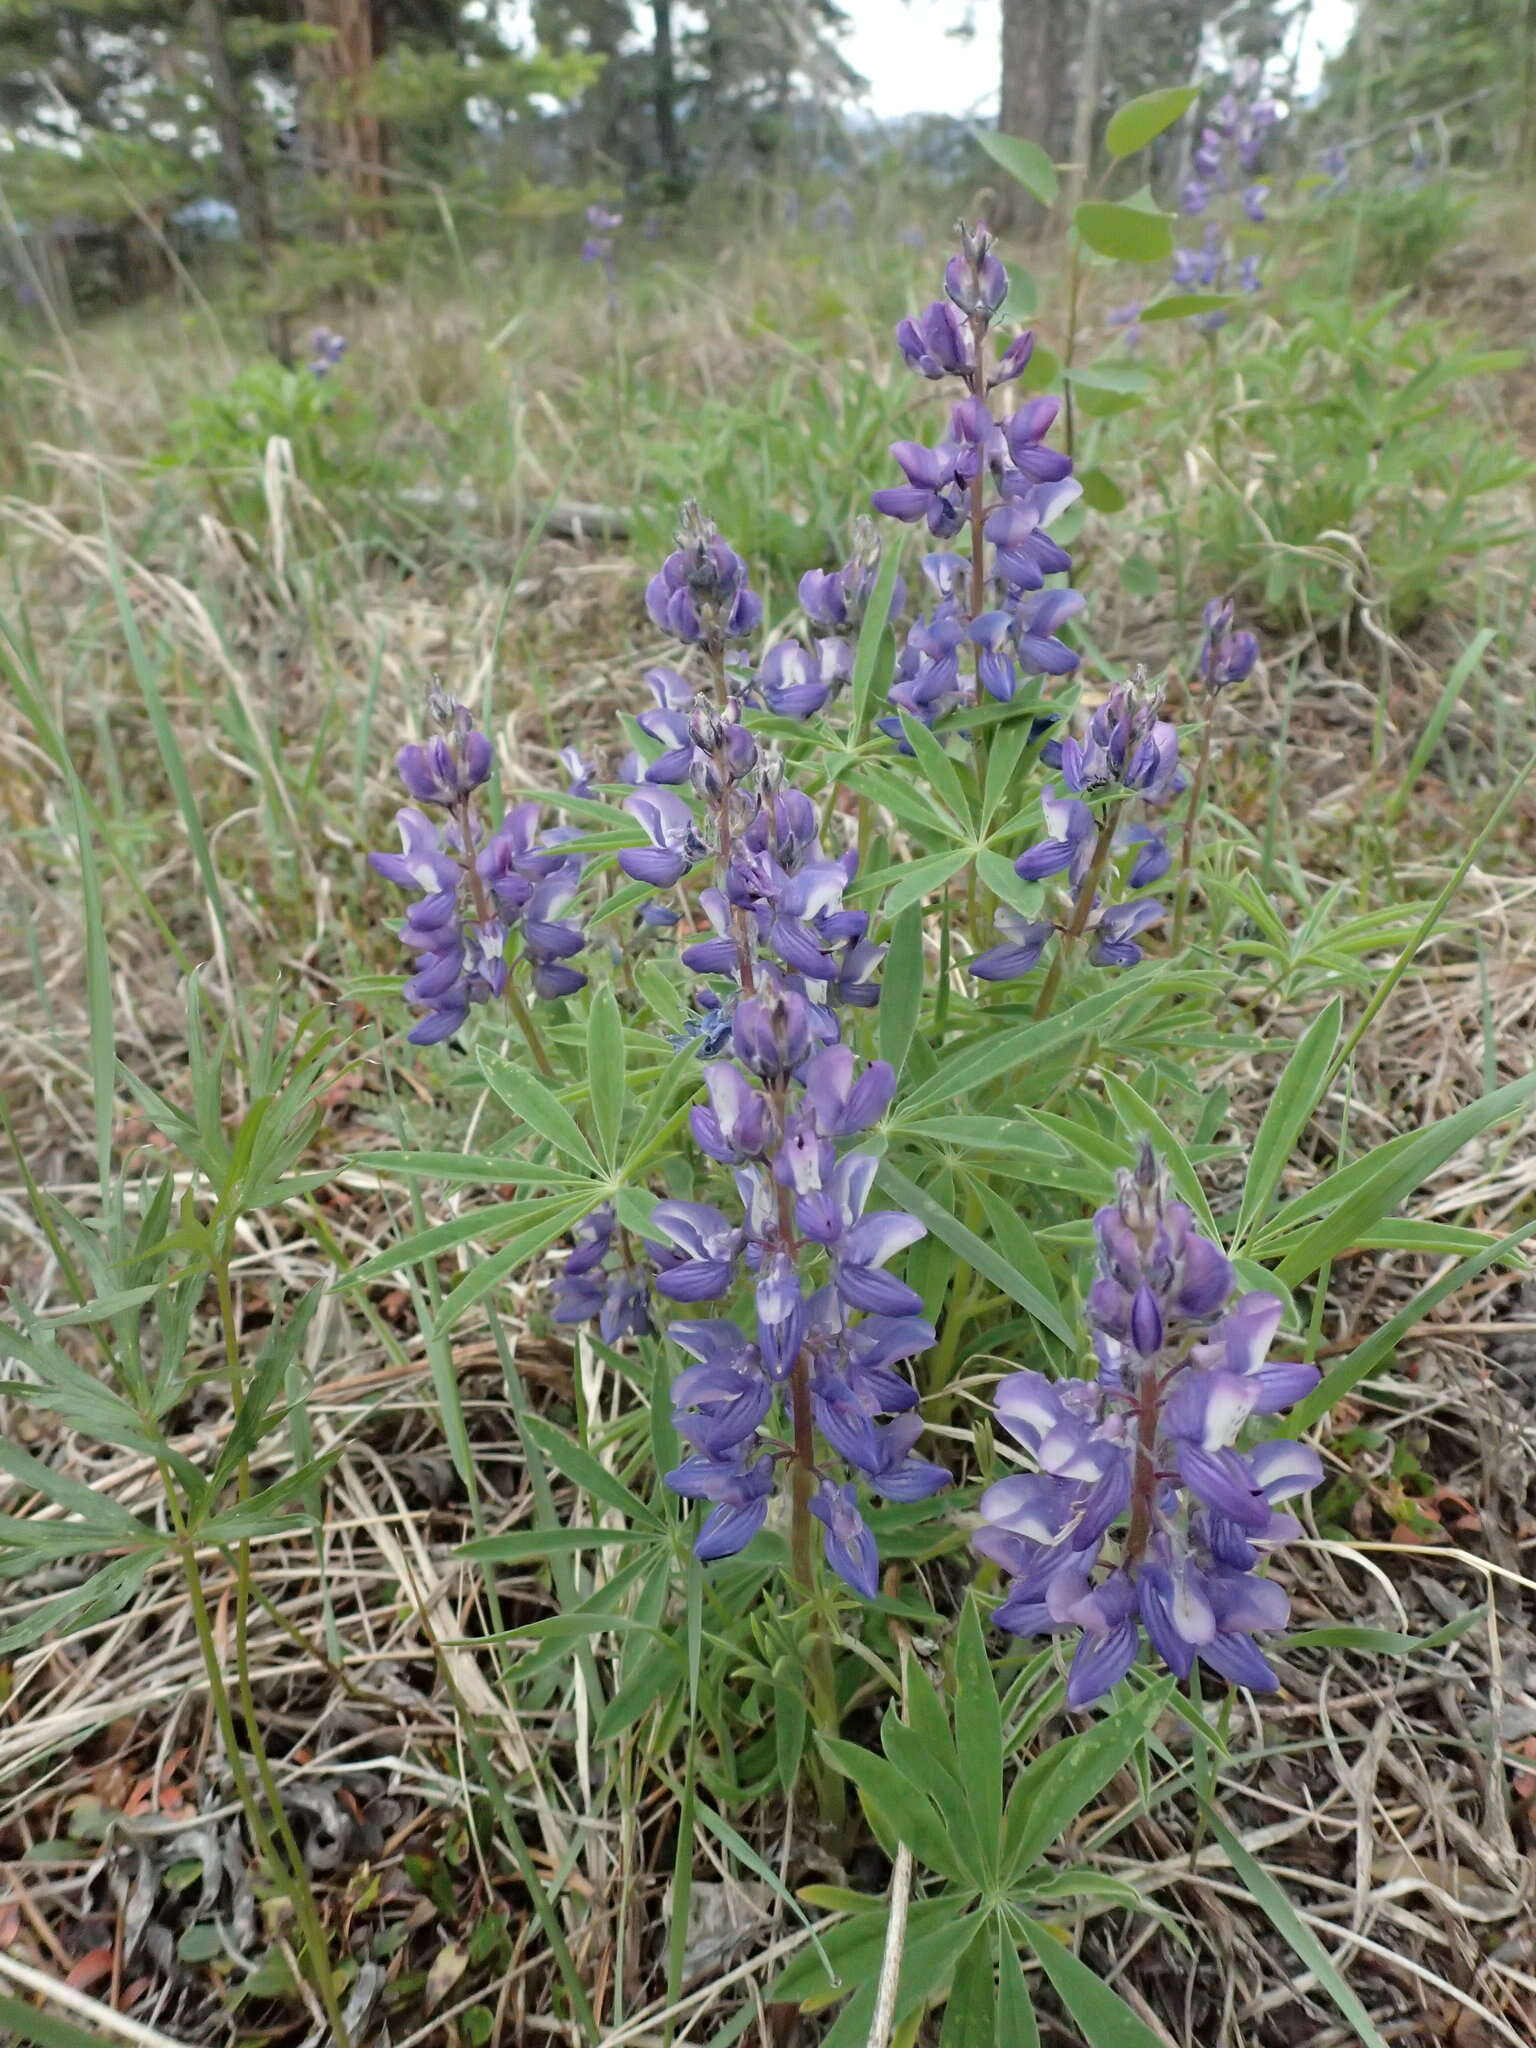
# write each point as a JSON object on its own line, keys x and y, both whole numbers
{"x": 243, "y": 173}
{"x": 1037, "y": 36}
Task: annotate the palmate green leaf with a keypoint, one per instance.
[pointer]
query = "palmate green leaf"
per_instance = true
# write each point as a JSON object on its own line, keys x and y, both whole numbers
{"x": 927, "y": 1968}
{"x": 481, "y": 1169}
{"x": 1102, "y": 2016}
{"x": 970, "y": 2016}
{"x": 897, "y": 1810}
{"x": 1124, "y": 232}
{"x": 901, "y": 989}
{"x": 940, "y": 771}
{"x": 97, "y": 1599}
{"x": 1386, "y": 1642}
{"x": 1006, "y": 885}
{"x": 606, "y": 1066}
{"x": 533, "y": 1104}
{"x": 99, "y": 1514}
{"x": 254, "y": 1417}
{"x": 959, "y": 1074}
{"x": 1023, "y": 160}
{"x": 1016, "y": 2025}
{"x": 906, "y": 800}
{"x": 1293, "y": 1930}
{"x": 483, "y": 1278}
{"x": 1297, "y": 1093}
{"x": 585, "y": 1471}
{"x": 1011, "y": 1134}
{"x": 1142, "y": 120}
{"x": 1385, "y": 1178}
{"x": 979, "y": 1731}
{"x": 659, "y": 1673}
{"x": 934, "y": 1774}
{"x": 909, "y": 882}
{"x": 444, "y": 1237}
{"x": 1051, "y": 1792}
{"x": 976, "y": 1252}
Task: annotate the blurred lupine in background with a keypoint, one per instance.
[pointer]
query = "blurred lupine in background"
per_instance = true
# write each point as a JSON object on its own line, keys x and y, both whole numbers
{"x": 326, "y": 349}
{"x": 601, "y": 246}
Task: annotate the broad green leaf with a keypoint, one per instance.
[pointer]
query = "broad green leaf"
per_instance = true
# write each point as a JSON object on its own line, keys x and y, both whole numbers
{"x": 1124, "y": 232}
{"x": 1291, "y": 1107}
{"x": 583, "y": 1470}
{"x": 660, "y": 1672}
{"x": 896, "y": 1808}
{"x": 1025, "y": 161}
{"x": 901, "y": 989}
{"x": 1051, "y": 1792}
{"x": 1101, "y": 491}
{"x": 970, "y": 2019}
{"x": 484, "y": 1278}
{"x": 527, "y": 1546}
{"x": 1102, "y": 2016}
{"x": 533, "y": 1104}
{"x": 985, "y": 1258}
{"x": 960, "y": 1074}
{"x": 605, "y": 1073}
{"x": 927, "y": 1968}
{"x": 919, "y": 878}
{"x": 979, "y": 1730}
{"x": 1016, "y": 2026}
{"x": 1288, "y": 1924}
{"x": 1142, "y": 120}
{"x": 1185, "y": 305}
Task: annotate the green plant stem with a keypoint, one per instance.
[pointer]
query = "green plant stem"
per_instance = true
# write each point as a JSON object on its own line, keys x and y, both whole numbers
{"x": 1082, "y": 911}
{"x": 529, "y": 1029}
{"x": 1191, "y": 818}
{"x": 291, "y": 1862}
{"x": 802, "y": 1564}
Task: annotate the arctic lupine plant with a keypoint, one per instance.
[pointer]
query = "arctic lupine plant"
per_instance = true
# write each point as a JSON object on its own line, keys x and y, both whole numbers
{"x": 992, "y": 477}
{"x": 1141, "y": 1513}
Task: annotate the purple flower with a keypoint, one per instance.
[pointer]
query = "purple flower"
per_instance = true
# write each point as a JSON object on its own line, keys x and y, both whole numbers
{"x": 1154, "y": 1438}
{"x": 701, "y": 593}
{"x": 326, "y": 349}
{"x": 1020, "y": 952}
{"x": 938, "y": 342}
{"x": 931, "y": 492}
{"x": 848, "y": 1542}
{"x": 741, "y": 1492}
{"x": 698, "y": 1263}
{"x": 1226, "y": 657}
{"x": 675, "y": 843}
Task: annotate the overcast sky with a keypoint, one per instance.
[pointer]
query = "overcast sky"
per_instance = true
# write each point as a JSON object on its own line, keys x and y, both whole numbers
{"x": 915, "y": 63}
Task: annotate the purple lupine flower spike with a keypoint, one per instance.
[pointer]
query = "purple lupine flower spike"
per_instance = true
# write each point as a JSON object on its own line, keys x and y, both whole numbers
{"x": 1141, "y": 1513}
{"x": 476, "y": 886}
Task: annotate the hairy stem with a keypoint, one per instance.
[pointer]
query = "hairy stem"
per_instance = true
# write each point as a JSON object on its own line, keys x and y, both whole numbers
{"x": 1082, "y": 910}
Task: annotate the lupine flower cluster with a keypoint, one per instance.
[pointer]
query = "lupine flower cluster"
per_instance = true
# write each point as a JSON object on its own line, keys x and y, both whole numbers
{"x": 780, "y": 958}
{"x": 1118, "y": 774}
{"x": 1142, "y": 1514}
{"x": 475, "y": 885}
{"x": 993, "y": 622}
{"x": 326, "y": 349}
